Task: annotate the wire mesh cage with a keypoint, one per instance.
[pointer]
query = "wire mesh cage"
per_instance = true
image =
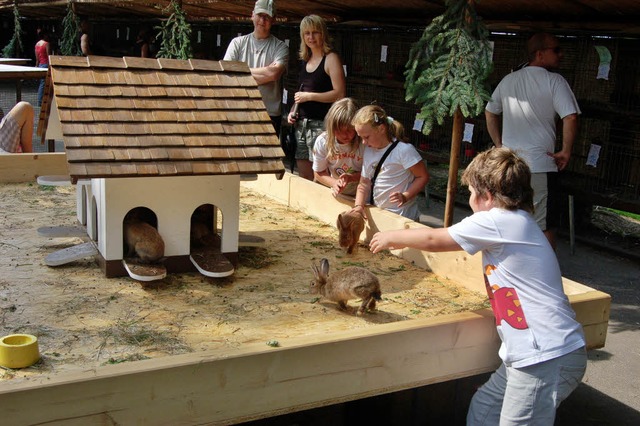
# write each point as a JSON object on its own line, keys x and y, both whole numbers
{"x": 375, "y": 59}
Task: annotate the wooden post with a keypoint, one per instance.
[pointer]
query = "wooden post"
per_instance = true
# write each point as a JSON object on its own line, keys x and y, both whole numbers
{"x": 454, "y": 162}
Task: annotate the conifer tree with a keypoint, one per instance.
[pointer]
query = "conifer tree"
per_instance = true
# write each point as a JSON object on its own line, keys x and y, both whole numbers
{"x": 449, "y": 65}
{"x": 70, "y": 40}
{"x": 446, "y": 76}
{"x": 175, "y": 34}
{"x": 14, "y": 49}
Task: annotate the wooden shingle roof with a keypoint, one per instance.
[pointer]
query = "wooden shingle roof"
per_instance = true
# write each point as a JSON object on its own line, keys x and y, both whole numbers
{"x": 134, "y": 117}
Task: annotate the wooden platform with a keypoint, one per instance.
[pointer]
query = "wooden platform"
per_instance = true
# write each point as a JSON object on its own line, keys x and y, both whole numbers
{"x": 254, "y": 380}
{"x": 71, "y": 254}
{"x": 62, "y": 231}
{"x": 248, "y": 240}
{"x": 54, "y": 180}
{"x": 144, "y": 272}
{"x": 211, "y": 263}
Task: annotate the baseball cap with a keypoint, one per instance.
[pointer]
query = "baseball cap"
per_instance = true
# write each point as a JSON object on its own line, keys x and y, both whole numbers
{"x": 265, "y": 6}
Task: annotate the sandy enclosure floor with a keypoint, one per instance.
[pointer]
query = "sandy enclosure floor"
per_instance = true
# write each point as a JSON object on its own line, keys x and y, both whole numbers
{"x": 83, "y": 319}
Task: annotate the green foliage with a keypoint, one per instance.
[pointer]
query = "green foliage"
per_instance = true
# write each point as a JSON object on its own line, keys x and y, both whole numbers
{"x": 449, "y": 65}
{"x": 14, "y": 49}
{"x": 175, "y": 35}
{"x": 70, "y": 40}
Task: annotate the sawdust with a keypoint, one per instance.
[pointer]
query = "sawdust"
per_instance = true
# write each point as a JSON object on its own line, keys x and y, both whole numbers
{"x": 83, "y": 319}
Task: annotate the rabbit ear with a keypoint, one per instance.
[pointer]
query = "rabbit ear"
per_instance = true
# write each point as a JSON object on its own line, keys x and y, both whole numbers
{"x": 324, "y": 267}
{"x": 340, "y": 221}
{"x": 316, "y": 273}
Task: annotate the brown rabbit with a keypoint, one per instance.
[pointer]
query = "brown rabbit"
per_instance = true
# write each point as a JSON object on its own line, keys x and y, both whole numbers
{"x": 201, "y": 227}
{"x": 350, "y": 226}
{"x": 349, "y": 283}
{"x": 142, "y": 241}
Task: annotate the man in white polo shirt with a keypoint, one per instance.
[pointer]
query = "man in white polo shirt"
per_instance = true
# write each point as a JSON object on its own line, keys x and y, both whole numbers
{"x": 530, "y": 100}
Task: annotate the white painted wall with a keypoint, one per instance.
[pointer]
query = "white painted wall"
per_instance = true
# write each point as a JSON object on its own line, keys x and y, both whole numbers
{"x": 173, "y": 200}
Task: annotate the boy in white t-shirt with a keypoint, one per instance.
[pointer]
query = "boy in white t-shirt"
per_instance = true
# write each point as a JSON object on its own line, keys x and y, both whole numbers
{"x": 543, "y": 346}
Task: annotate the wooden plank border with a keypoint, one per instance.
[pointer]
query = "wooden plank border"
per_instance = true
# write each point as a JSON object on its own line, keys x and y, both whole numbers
{"x": 256, "y": 381}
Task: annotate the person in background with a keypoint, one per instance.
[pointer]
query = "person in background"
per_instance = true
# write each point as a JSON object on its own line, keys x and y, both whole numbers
{"x": 16, "y": 129}
{"x": 142, "y": 47}
{"x": 321, "y": 82}
{"x": 267, "y": 57}
{"x": 530, "y": 101}
{"x": 42, "y": 50}
{"x": 338, "y": 152}
{"x": 543, "y": 346}
{"x": 85, "y": 38}
{"x": 400, "y": 177}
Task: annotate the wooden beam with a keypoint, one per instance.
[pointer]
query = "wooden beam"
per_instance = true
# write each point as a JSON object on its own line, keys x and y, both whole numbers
{"x": 27, "y": 167}
{"x": 233, "y": 385}
{"x": 255, "y": 381}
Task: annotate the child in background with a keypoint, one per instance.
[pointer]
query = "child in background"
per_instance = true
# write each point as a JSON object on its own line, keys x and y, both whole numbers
{"x": 42, "y": 51}
{"x": 16, "y": 129}
{"x": 337, "y": 153}
{"x": 402, "y": 175}
{"x": 543, "y": 346}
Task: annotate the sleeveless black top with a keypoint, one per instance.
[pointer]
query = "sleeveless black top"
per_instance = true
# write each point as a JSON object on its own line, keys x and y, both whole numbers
{"x": 317, "y": 81}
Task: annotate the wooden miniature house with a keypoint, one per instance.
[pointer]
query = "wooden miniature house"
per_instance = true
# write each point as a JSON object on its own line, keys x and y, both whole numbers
{"x": 166, "y": 136}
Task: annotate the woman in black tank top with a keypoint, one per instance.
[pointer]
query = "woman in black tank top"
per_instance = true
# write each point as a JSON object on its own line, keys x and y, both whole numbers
{"x": 321, "y": 82}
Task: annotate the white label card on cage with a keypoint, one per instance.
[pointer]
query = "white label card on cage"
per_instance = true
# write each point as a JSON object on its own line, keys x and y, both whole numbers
{"x": 383, "y": 53}
{"x": 285, "y": 96}
{"x": 218, "y": 40}
{"x": 468, "y": 132}
{"x": 286, "y": 41}
{"x": 199, "y": 36}
{"x": 605, "y": 62}
{"x": 418, "y": 123}
{"x": 344, "y": 67}
{"x": 594, "y": 155}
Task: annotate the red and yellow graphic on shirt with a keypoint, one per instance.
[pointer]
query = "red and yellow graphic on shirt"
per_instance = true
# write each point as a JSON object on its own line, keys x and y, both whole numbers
{"x": 504, "y": 302}
{"x": 344, "y": 168}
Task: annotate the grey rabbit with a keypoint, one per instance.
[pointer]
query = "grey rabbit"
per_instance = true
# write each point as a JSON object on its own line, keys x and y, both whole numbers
{"x": 350, "y": 226}
{"x": 349, "y": 283}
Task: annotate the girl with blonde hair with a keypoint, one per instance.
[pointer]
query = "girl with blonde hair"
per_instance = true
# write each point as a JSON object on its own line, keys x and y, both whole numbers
{"x": 393, "y": 172}
{"x": 338, "y": 153}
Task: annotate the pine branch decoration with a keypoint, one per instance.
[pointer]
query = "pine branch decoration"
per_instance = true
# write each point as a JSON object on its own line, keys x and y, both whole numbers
{"x": 449, "y": 65}
{"x": 14, "y": 49}
{"x": 175, "y": 35}
{"x": 70, "y": 40}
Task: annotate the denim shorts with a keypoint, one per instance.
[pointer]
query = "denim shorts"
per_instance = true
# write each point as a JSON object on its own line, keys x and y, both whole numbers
{"x": 528, "y": 395}
{"x": 306, "y": 133}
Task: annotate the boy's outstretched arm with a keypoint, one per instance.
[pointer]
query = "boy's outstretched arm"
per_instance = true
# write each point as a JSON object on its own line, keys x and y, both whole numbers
{"x": 426, "y": 239}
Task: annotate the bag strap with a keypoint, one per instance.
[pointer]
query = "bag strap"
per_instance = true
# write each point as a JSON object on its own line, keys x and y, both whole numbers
{"x": 378, "y": 167}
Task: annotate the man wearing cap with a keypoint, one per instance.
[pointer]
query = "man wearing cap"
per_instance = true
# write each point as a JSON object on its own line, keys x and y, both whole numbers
{"x": 267, "y": 57}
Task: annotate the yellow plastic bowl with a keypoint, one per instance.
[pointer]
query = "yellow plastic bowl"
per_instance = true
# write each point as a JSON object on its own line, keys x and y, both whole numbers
{"x": 19, "y": 350}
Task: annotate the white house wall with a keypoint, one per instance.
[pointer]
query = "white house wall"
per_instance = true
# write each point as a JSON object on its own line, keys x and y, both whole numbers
{"x": 173, "y": 200}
